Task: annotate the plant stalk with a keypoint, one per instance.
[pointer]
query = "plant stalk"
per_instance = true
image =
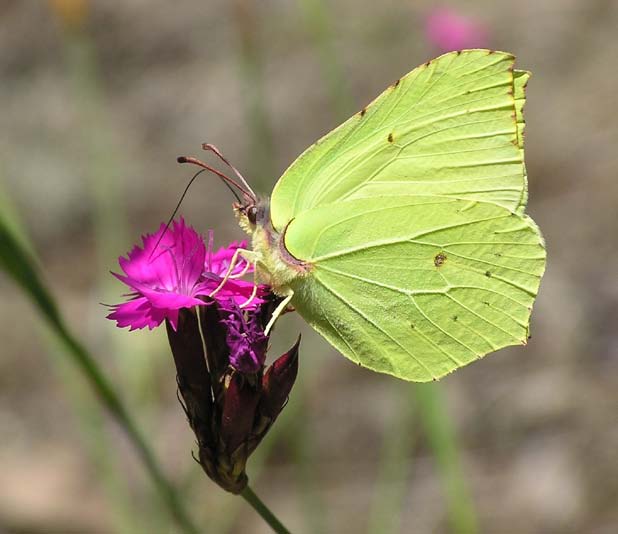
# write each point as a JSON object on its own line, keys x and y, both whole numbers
{"x": 19, "y": 264}
{"x": 263, "y": 510}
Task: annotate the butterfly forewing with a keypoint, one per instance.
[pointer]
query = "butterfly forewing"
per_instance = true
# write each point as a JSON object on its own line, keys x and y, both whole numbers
{"x": 448, "y": 127}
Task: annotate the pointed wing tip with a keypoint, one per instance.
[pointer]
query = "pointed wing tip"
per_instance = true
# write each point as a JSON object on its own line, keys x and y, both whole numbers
{"x": 468, "y": 51}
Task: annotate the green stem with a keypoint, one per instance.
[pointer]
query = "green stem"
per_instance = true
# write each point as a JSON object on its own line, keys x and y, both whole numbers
{"x": 441, "y": 435}
{"x": 264, "y": 511}
{"x": 19, "y": 264}
{"x": 113, "y": 403}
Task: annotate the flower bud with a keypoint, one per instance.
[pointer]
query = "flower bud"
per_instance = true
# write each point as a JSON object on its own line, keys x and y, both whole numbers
{"x": 191, "y": 372}
{"x": 241, "y": 399}
{"x": 278, "y": 381}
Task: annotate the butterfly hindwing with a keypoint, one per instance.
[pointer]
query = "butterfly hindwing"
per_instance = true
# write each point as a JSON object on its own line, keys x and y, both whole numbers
{"x": 417, "y": 287}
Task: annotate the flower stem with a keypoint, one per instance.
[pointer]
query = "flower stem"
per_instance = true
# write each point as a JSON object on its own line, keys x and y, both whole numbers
{"x": 18, "y": 262}
{"x": 264, "y": 511}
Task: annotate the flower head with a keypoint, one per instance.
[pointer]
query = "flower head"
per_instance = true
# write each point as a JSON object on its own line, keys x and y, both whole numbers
{"x": 174, "y": 269}
{"x": 215, "y": 326}
{"x": 448, "y": 30}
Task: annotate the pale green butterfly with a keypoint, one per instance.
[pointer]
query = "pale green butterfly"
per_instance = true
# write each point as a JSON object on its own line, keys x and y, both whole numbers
{"x": 400, "y": 236}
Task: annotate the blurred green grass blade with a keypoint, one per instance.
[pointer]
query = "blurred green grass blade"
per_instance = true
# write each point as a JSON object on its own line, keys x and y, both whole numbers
{"x": 435, "y": 420}
{"x": 244, "y": 15}
{"x": 93, "y": 429}
{"x": 318, "y": 23}
{"x": 391, "y": 487}
{"x": 11, "y": 218}
{"x": 100, "y": 145}
{"x": 301, "y": 435}
{"x": 88, "y": 411}
{"x": 20, "y": 266}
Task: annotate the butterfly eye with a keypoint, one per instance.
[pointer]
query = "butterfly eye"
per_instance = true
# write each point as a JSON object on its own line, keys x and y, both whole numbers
{"x": 252, "y": 214}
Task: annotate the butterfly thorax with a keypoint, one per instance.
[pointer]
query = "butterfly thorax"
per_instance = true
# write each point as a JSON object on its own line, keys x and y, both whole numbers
{"x": 275, "y": 265}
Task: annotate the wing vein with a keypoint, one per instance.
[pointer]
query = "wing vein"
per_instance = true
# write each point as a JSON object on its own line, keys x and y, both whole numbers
{"x": 376, "y": 326}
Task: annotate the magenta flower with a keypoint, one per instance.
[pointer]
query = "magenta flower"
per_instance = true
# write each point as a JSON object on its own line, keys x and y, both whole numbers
{"x": 217, "y": 340}
{"x": 448, "y": 30}
{"x": 171, "y": 271}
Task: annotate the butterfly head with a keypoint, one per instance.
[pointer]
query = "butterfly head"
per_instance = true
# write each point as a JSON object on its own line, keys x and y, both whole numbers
{"x": 252, "y": 213}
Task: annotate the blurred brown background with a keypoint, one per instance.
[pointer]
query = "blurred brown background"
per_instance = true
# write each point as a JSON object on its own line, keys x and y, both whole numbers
{"x": 96, "y": 101}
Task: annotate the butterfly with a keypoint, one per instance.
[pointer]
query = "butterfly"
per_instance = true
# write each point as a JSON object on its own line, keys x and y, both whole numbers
{"x": 400, "y": 236}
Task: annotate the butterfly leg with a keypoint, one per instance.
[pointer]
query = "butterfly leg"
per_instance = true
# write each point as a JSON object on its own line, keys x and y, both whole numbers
{"x": 242, "y": 273}
{"x": 247, "y": 255}
{"x": 255, "y": 283}
{"x": 278, "y": 311}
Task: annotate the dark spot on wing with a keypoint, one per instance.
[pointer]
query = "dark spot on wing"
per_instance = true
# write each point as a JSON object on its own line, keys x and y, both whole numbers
{"x": 397, "y": 83}
{"x": 455, "y": 318}
{"x": 412, "y": 326}
{"x": 390, "y": 137}
{"x": 363, "y": 111}
{"x": 439, "y": 259}
{"x": 488, "y": 274}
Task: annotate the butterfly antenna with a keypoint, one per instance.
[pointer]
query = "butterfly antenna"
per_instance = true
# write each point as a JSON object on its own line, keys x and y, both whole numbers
{"x": 244, "y": 188}
{"x": 182, "y": 197}
{"x": 213, "y": 148}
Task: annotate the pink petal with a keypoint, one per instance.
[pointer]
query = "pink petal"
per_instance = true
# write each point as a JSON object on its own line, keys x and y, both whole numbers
{"x": 168, "y": 300}
{"x": 167, "y": 273}
{"x": 171, "y": 261}
{"x": 136, "y": 314}
{"x": 220, "y": 260}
